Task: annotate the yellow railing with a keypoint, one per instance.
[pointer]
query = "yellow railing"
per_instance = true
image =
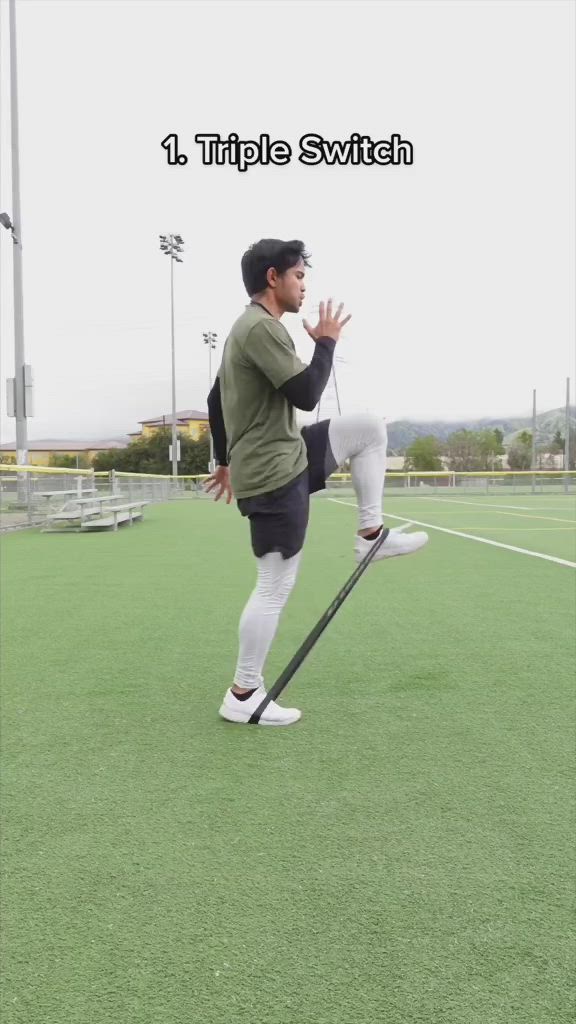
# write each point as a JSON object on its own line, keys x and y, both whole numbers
{"x": 482, "y": 473}
{"x": 52, "y": 470}
{"x": 56, "y": 470}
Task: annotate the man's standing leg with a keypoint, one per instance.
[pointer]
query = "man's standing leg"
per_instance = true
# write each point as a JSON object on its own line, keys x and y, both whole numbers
{"x": 258, "y": 626}
{"x": 260, "y": 618}
{"x": 278, "y": 523}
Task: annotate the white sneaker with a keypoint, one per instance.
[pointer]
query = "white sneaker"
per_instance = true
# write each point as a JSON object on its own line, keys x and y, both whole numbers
{"x": 397, "y": 543}
{"x": 234, "y": 710}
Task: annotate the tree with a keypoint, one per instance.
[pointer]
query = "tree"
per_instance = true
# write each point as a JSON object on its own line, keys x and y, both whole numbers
{"x": 519, "y": 457}
{"x": 150, "y": 455}
{"x": 557, "y": 443}
{"x": 463, "y": 451}
{"x": 471, "y": 451}
{"x": 81, "y": 461}
{"x": 490, "y": 448}
{"x": 520, "y": 451}
{"x": 557, "y": 447}
{"x": 195, "y": 455}
{"x": 423, "y": 454}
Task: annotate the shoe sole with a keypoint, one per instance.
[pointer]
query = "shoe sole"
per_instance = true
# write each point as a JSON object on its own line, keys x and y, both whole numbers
{"x": 239, "y": 719}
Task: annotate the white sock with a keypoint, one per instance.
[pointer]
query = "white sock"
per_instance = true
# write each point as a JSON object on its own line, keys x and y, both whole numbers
{"x": 259, "y": 620}
{"x": 363, "y": 439}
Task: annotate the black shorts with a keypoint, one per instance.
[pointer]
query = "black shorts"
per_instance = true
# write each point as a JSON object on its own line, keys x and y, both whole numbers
{"x": 279, "y": 518}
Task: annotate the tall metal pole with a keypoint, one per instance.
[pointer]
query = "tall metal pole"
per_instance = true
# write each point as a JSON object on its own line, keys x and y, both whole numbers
{"x": 567, "y": 435}
{"x": 19, "y": 397}
{"x": 210, "y": 339}
{"x": 336, "y": 390}
{"x": 534, "y": 430}
{"x": 533, "y": 436}
{"x": 567, "y": 427}
{"x": 211, "y": 466}
{"x": 337, "y": 396}
{"x": 171, "y": 245}
{"x": 174, "y": 434}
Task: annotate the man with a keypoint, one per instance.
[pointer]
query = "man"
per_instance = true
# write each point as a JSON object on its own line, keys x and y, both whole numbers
{"x": 272, "y": 466}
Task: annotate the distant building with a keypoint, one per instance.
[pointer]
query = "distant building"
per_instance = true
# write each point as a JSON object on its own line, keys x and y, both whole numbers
{"x": 395, "y": 463}
{"x": 550, "y": 460}
{"x": 189, "y": 422}
{"x": 39, "y": 452}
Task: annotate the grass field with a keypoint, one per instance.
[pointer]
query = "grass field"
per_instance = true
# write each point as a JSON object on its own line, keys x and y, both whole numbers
{"x": 403, "y": 854}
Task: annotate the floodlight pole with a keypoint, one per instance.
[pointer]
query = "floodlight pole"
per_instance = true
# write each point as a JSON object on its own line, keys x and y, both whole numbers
{"x": 567, "y": 429}
{"x": 174, "y": 432}
{"x": 16, "y": 227}
{"x": 171, "y": 245}
{"x": 533, "y": 460}
{"x": 210, "y": 339}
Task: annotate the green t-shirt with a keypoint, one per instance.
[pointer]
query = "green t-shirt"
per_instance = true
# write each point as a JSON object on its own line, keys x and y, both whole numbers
{"x": 265, "y": 447}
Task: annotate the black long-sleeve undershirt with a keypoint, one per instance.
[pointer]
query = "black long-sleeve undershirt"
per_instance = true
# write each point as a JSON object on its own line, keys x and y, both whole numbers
{"x": 217, "y": 428}
{"x": 303, "y": 391}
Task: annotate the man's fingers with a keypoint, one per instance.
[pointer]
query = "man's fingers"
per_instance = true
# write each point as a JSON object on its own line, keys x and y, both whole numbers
{"x": 339, "y": 310}
{"x": 346, "y": 319}
{"x": 329, "y": 309}
{"x": 321, "y": 311}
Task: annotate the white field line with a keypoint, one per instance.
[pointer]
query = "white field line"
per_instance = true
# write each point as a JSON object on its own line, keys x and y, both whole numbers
{"x": 521, "y": 529}
{"x": 460, "y": 512}
{"x": 469, "y": 536}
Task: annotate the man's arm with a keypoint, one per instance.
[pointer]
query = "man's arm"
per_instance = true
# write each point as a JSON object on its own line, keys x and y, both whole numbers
{"x": 305, "y": 389}
{"x": 270, "y": 348}
{"x": 217, "y": 427}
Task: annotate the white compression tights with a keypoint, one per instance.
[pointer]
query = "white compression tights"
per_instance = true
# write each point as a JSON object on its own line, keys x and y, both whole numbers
{"x": 362, "y": 439}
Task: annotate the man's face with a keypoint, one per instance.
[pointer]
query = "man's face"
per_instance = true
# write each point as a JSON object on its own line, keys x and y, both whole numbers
{"x": 290, "y": 289}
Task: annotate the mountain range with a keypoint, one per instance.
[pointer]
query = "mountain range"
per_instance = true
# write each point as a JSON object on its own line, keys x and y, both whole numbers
{"x": 401, "y": 433}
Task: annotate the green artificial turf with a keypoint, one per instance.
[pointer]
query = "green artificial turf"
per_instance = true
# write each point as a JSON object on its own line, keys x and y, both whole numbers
{"x": 403, "y": 854}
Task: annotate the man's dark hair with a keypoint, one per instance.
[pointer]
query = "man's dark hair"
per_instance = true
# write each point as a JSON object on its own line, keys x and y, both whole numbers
{"x": 267, "y": 253}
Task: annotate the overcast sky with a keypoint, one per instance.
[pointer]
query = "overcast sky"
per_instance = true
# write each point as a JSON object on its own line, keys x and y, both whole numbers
{"x": 458, "y": 270}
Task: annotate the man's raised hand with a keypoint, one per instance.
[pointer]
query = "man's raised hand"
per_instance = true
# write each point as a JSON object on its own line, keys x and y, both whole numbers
{"x": 329, "y": 325}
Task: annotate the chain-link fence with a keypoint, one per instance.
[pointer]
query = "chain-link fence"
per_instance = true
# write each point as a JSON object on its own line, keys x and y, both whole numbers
{"x": 30, "y": 494}
{"x": 496, "y": 483}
